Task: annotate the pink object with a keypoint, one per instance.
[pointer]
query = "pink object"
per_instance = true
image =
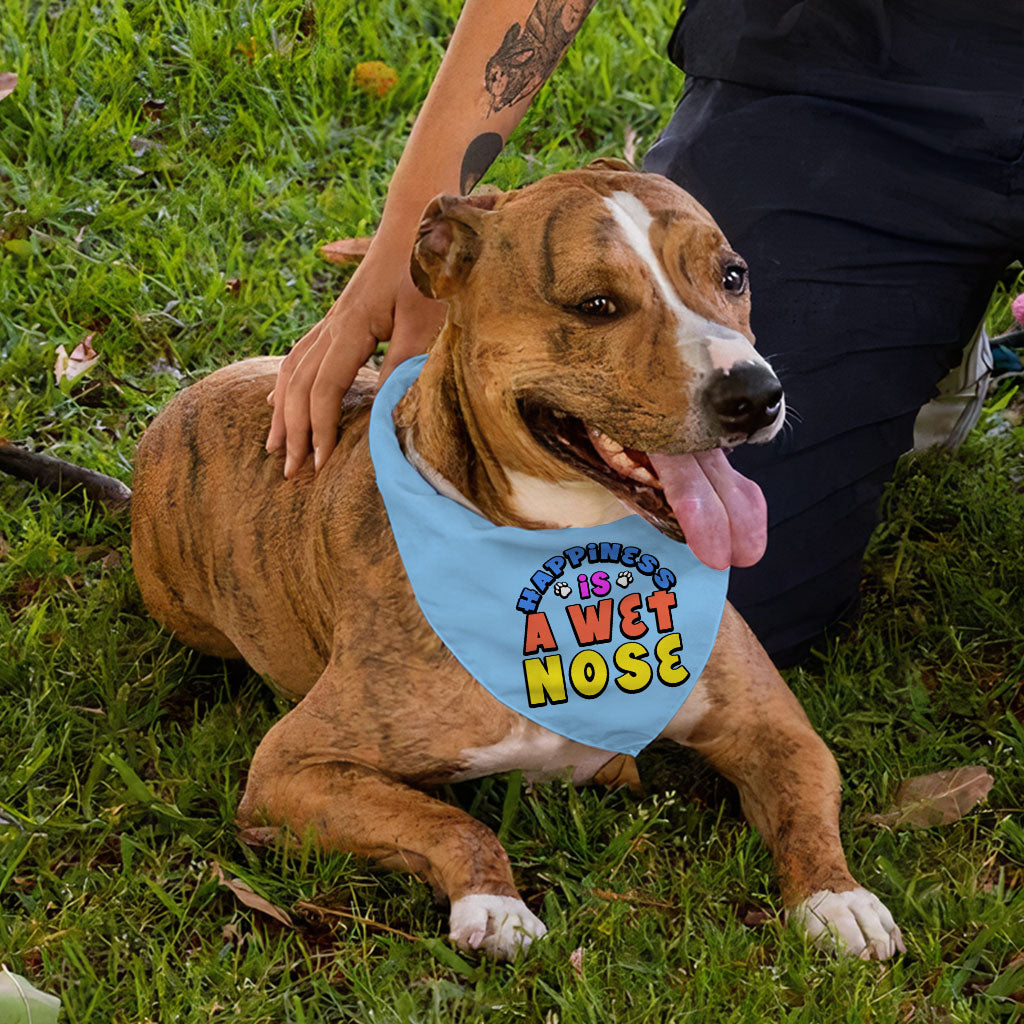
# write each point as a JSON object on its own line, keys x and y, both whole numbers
{"x": 1018, "y": 308}
{"x": 723, "y": 515}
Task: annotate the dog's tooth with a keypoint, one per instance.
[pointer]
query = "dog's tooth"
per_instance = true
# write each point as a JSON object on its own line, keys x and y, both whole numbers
{"x": 643, "y": 475}
{"x": 603, "y": 442}
{"x": 615, "y": 456}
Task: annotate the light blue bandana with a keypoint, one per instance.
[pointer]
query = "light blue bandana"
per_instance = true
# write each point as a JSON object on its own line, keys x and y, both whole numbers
{"x": 597, "y": 633}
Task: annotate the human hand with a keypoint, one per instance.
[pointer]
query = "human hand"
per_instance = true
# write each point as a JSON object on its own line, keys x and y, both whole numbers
{"x": 380, "y": 303}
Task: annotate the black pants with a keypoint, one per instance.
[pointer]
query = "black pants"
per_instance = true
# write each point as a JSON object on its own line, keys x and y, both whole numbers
{"x": 874, "y": 237}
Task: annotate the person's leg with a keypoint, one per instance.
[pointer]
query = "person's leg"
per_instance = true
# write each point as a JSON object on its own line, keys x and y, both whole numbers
{"x": 871, "y": 260}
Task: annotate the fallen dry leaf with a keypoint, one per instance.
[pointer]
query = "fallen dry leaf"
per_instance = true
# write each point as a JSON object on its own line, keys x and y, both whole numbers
{"x": 576, "y": 961}
{"x": 375, "y": 76}
{"x": 249, "y": 50}
{"x": 68, "y": 367}
{"x": 112, "y": 560}
{"x": 259, "y": 835}
{"x": 346, "y": 250}
{"x": 755, "y": 917}
{"x": 8, "y": 80}
{"x": 138, "y": 144}
{"x": 85, "y": 553}
{"x": 163, "y": 366}
{"x": 629, "y": 150}
{"x": 152, "y": 108}
{"x": 936, "y": 799}
{"x": 4, "y": 547}
{"x": 244, "y": 894}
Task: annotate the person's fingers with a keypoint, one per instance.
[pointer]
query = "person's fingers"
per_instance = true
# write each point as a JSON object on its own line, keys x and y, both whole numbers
{"x": 416, "y": 325}
{"x": 335, "y": 375}
{"x": 296, "y": 406}
{"x": 276, "y": 434}
{"x": 315, "y": 375}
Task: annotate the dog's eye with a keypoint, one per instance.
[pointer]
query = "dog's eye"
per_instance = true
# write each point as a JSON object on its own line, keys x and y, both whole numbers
{"x": 734, "y": 278}
{"x": 597, "y": 305}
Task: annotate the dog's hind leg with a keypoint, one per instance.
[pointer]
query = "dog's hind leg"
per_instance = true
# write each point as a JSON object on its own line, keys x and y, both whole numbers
{"x": 751, "y": 728}
{"x": 357, "y": 808}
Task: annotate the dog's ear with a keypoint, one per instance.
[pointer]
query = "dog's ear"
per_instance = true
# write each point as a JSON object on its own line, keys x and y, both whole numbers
{"x": 449, "y": 242}
{"x": 610, "y": 163}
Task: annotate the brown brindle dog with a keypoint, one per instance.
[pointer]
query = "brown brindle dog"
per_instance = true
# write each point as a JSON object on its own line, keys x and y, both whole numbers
{"x": 593, "y": 317}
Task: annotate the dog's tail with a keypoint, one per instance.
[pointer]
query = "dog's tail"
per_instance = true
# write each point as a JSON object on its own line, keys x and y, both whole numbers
{"x": 62, "y": 477}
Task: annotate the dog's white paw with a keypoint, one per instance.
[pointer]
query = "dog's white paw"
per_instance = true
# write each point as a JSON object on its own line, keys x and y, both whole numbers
{"x": 855, "y": 922}
{"x": 501, "y": 926}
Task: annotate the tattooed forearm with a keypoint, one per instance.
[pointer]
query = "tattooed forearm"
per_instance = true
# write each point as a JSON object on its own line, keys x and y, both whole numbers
{"x": 529, "y": 52}
{"x": 527, "y": 56}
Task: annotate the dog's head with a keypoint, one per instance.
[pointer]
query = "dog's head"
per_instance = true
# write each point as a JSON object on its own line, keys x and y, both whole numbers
{"x": 600, "y": 323}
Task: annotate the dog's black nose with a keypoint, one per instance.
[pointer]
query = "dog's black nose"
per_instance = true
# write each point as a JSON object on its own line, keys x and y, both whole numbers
{"x": 745, "y": 399}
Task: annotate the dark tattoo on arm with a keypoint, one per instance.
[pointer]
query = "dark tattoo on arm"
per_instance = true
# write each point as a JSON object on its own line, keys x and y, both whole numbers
{"x": 529, "y": 52}
{"x": 527, "y": 56}
{"x": 480, "y": 154}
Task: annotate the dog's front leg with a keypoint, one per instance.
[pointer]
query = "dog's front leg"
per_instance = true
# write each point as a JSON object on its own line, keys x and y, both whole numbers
{"x": 748, "y": 724}
{"x": 299, "y": 779}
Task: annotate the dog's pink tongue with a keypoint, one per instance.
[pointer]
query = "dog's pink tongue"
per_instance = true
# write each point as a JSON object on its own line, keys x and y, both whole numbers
{"x": 723, "y": 514}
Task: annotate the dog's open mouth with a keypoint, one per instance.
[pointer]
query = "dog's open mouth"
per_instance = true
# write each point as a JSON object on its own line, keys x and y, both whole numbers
{"x": 695, "y": 497}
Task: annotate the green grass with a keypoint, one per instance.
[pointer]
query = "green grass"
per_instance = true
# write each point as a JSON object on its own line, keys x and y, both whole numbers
{"x": 156, "y": 150}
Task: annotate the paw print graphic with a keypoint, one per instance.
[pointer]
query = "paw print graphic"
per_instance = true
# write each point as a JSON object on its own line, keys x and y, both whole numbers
{"x": 562, "y": 589}
{"x": 624, "y": 579}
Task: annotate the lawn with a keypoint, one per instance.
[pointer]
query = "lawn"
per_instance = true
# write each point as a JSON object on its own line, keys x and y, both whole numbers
{"x": 168, "y": 169}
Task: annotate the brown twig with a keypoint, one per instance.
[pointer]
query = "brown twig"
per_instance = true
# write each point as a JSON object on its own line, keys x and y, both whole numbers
{"x": 62, "y": 477}
{"x": 641, "y": 901}
{"x": 349, "y": 916}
